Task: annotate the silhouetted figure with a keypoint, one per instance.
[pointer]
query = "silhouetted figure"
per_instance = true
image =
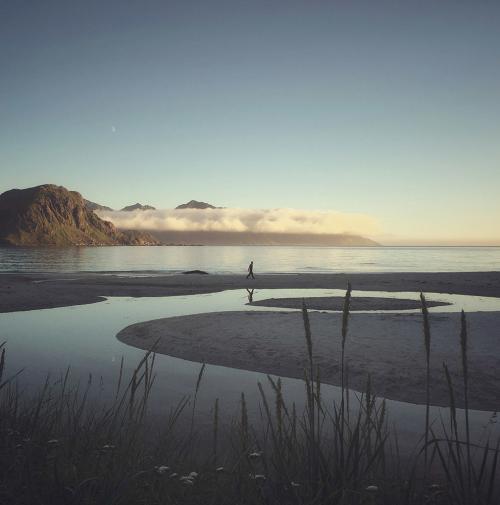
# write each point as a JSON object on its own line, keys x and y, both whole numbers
{"x": 250, "y": 271}
{"x": 250, "y": 295}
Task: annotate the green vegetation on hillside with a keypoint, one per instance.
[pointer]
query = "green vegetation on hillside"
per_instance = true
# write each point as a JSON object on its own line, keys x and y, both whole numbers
{"x": 51, "y": 215}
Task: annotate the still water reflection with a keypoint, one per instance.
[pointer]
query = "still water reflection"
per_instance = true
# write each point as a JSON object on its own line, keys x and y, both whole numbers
{"x": 83, "y": 337}
{"x": 231, "y": 259}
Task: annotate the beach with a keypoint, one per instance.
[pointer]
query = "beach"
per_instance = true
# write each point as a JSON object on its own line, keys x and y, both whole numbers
{"x": 31, "y": 291}
{"x": 387, "y": 347}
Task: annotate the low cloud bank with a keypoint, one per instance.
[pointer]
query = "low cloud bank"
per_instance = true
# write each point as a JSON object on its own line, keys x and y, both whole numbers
{"x": 245, "y": 220}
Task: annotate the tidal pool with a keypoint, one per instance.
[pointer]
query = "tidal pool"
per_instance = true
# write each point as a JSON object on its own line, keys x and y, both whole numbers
{"x": 83, "y": 338}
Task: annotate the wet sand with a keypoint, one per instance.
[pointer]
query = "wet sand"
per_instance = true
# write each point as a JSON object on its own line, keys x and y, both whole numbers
{"x": 39, "y": 291}
{"x": 388, "y": 347}
{"x": 337, "y": 303}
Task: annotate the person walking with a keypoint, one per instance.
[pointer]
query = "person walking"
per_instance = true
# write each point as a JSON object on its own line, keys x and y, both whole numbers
{"x": 250, "y": 271}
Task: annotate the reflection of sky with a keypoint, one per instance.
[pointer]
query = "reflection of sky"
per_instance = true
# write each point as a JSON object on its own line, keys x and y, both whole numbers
{"x": 385, "y": 108}
{"x": 83, "y": 337}
{"x": 234, "y": 259}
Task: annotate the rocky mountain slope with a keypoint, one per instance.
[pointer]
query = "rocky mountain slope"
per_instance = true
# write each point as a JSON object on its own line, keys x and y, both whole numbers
{"x": 95, "y": 206}
{"x": 194, "y": 204}
{"x": 136, "y": 206}
{"x": 50, "y": 215}
{"x": 173, "y": 237}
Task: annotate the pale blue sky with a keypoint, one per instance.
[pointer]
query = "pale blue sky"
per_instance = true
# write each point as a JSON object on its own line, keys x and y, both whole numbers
{"x": 390, "y": 109}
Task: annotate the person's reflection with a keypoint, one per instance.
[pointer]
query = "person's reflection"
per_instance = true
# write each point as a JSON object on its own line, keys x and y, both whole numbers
{"x": 250, "y": 295}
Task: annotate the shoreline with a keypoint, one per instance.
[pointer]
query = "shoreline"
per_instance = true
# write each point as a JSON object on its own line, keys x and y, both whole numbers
{"x": 388, "y": 348}
{"x": 20, "y": 292}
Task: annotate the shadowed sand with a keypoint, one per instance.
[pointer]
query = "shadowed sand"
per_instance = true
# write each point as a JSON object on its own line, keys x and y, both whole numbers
{"x": 337, "y": 303}
{"x": 389, "y": 347}
{"x": 39, "y": 291}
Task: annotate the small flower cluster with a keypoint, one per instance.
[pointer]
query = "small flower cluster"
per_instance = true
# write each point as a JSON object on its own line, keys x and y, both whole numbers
{"x": 257, "y": 476}
{"x": 189, "y": 479}
{"x": 162, "y": 469}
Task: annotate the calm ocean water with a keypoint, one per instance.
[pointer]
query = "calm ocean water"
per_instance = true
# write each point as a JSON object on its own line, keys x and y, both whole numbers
{"x": 232, "y": 259}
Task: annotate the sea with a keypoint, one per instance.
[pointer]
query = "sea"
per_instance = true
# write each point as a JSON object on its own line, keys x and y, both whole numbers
{"x": 235, "y": 259}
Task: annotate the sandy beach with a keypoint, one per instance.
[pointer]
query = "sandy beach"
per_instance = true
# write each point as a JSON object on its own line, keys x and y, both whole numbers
{"x": 40, "y": 291}
{"x": 336, "y": 303}
{"x": 388, "y": 347}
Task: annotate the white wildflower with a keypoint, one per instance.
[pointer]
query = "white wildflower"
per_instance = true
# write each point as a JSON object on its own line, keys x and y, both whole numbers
{"x": 173, "y": 475}
{"x": 219, "y": 469}
{"x": 162, "y": 469}
{"x": 193, "y": 475}
{"x": 372, "y": 489}
{"x": 257, "y": 476}
{"x": 255, "y": 455}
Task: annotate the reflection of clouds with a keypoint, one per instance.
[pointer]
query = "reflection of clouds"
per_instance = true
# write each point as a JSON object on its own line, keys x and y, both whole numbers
{"x": 244, "y": 220}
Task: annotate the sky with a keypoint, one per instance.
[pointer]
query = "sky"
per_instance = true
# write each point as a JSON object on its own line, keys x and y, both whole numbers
{"x": 386, "y": 109}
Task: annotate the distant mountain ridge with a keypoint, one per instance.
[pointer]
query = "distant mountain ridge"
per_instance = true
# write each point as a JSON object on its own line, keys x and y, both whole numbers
{"x": 95, "y": 206}
{"x": 195, "y": 204}
{"x": 50, "y": 215}
{"x": 136, "y": 206}
{"x": 230, "y": 238}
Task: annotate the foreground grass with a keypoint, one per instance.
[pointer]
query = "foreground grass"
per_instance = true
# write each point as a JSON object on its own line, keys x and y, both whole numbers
{"x": 62, "y": 448}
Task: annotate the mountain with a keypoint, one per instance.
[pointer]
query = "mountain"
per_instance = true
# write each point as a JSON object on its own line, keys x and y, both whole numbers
{"x": 138, "y": 237}
{"x": 95, "y": 206}
{"x": 136, "y": 206}
{"x": 258, "y": 238}
{"x": 194, "y": 204}
{"x": 50, "y": 215}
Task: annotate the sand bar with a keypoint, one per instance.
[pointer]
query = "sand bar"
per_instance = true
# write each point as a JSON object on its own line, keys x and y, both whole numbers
{"x": 38, "y": 291}
{"x": 388, "y": 347}
{"x": 336, "y": 303}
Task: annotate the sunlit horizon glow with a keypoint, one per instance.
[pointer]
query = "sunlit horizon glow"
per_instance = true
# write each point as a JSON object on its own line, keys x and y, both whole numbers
{"x": 387, "y": 110}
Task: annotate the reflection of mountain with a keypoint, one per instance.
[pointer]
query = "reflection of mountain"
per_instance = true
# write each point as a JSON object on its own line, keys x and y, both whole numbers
{"x": 194, "y": 204}
{"x": 52, "y": 215}
{"x": 137, "y": 206}
{"x": 246, "y": 238}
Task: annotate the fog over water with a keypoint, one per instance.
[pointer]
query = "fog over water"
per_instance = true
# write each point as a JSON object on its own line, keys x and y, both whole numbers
{"x": 244, "y": 220}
